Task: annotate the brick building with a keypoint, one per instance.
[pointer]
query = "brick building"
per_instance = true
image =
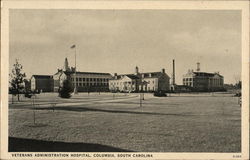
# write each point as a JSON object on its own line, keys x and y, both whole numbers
{"x": 203, "y": 81}
{"x": 41, "y": 83}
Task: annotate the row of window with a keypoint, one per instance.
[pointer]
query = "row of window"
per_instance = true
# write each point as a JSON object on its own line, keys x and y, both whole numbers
{"x": 187, "y": 79}
{"x": 198, "y": 79}
{"x": 119, "y": 83}
{"x": 188, "y": 84}
{"x": 91, "y": 79}
{"x": 89, "y": 84}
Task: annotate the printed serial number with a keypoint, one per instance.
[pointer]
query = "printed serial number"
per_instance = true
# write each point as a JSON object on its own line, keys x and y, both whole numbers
{"x": 236, "y": 156}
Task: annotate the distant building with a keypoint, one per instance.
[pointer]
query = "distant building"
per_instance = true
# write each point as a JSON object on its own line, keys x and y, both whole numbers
{"x": 84, "y": 81}
{"x": 203, "y": 81}
{"x": 146, "y": 82}
{"x": 27, "y": 85}
{"x": 42, "y": 83}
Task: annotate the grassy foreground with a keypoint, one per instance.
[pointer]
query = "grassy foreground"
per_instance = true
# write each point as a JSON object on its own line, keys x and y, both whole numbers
{"x": 180, "y": 123}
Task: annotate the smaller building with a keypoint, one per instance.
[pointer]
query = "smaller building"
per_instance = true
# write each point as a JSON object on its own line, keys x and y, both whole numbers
{"x": 124, "y": 83}
{"x": 42, "y": 83}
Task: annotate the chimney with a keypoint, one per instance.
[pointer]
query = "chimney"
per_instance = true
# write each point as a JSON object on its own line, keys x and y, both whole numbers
{"x": 136, "y": 70}
{"x": 163, "y": 70}
{"x": 115, "y": 75}
{"x": 198, "y": 67}
{"x": 173, "y": 78}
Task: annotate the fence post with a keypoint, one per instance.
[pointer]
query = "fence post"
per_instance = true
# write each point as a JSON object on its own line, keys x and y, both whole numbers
{"x": 34, "y": 114}
{"x": 140, "y": 100}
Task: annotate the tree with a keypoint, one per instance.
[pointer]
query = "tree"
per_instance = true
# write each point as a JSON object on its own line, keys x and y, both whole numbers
{"x": 238, "y": 85}
{"x": 17, "y": 80}
{"x": 66, "y": 89}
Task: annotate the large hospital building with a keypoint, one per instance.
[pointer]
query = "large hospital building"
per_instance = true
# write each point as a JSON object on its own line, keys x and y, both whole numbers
{"x": 203, "y": 81}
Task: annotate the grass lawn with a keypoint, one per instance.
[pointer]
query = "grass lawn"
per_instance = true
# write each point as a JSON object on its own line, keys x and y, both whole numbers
{"x": 179, "y": 123}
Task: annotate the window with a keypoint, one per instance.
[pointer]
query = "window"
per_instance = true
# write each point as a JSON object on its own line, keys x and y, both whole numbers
{"x": 83, "y": 79}
{"x": 87, "y": 79}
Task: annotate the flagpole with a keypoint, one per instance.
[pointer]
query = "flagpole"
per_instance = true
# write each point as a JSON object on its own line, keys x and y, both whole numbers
{"x": 75, "y": 89}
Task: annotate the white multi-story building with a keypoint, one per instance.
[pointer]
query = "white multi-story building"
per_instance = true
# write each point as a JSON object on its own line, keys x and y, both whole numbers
{"x": 146, "y": 82}
{"x": 203, "y": 81}
{"x": 83, "y": 81}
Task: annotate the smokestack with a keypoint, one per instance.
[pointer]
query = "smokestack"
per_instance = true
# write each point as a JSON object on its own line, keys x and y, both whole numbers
{"x": 163, "y": 70}
{"x": 173, "y": 78}
{"x": 198, "y": 67}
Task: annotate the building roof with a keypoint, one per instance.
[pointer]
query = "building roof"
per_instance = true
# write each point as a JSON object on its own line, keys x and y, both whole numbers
{"x": 152, "y": 74}
{"x": 205, "y": 74}
{"x": 146, "y": 75}
{"x": 94, "y": 73}
{"x": 132, "y": 76}
{"x": 42, "y": 76}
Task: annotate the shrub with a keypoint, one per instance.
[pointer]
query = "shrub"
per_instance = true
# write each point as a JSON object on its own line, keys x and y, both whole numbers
{"x": 160, "y": 94}
{"x": 66, "y": 89}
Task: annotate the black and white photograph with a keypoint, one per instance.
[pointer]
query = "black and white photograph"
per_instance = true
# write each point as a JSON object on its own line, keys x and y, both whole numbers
{"x": 124, "y": 83}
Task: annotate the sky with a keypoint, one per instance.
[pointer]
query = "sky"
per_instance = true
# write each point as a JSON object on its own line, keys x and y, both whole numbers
{"x": 115, "y": 41}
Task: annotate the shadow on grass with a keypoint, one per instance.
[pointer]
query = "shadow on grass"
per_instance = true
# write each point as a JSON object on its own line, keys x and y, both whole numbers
{"x": 36, "y": 125}
{"x": 31, "y": 145}
{"x": 84, "y": 109}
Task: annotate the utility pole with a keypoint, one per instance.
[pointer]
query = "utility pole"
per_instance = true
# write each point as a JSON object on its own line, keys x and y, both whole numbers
{"x": 140, "y": 99}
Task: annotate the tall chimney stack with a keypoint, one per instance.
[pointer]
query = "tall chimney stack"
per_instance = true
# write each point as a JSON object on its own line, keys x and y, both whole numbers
{"x": 173, "y": 78}
{"x": 198, "y": 67}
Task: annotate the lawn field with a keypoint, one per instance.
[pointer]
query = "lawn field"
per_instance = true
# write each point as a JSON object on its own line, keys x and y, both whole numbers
{"x": 202, "y": 122}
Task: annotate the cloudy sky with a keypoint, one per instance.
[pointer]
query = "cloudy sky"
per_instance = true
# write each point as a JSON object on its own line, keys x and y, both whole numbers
{"x": 115, "y": 41}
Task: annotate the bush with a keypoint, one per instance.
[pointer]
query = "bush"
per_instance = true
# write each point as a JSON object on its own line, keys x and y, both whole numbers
{"x": 66, "y": 89}
{"x": 237, "y": 94}
{"x": 160, "y": 94}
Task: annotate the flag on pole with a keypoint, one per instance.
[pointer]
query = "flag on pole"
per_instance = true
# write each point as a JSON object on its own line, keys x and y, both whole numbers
{"x": 73, "y": 46}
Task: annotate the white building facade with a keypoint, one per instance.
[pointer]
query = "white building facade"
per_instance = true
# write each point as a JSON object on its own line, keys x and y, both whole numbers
{"x": 140, "y": 82}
